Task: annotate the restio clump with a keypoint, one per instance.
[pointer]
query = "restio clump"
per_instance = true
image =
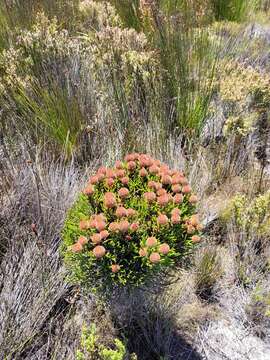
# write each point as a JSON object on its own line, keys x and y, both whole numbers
{"x": 129, "y": 222}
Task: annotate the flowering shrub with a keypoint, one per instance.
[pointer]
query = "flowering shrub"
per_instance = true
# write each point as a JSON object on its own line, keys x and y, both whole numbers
{"x": 129, "y": 222}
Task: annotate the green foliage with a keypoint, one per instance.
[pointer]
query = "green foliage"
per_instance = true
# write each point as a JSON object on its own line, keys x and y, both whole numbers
{"x": 137, "y": 244}
{"x": 231, "y": 10}
{"x": 91, "y": 347}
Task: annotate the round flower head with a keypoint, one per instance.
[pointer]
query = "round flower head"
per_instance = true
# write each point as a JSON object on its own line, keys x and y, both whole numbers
{"x": 89, "y": 190}
{"x": 166, "y": 180}
{"x": 94, "y": 180}
{"x": 120, "y": 173}
{"x": 100, "y": 217}
{"x": 143, "y": 252}
{"x": 186, "y": 189}
{"x": 82, "y": 240}
{"x": 190, "y": 229}
{"x": 175, "y": 219}
{"x": 114, "y": 226}
{"x": 76, "y": 247}
{"x": 100, "y": 177}
{"x": 131, "y": 165}
{"x": 115, "y": 268}
{"x": 200, "y": 227}
{"x": 102, "y": 170}
{"x": 123, "y": 192}
{"x": 176, "y": 188}
{"x": 163, "y": 200}
{"x": 178, "y": 198}
{"x": 151, "y": 241}
{"x": 109, "y": 182}
{"x": 152, "y": 185}
{"x": 161, "y": 192}
{"x": 149, "y": 196}
{"x": 143, "y": 172}
{"x": 164, "y": 168}
{"x": 154, "y": 258}
{"x": 96, "y": 238}
{"x": 111, "y": 173}
{"x": 83, "y": 225}
{"x": 109, "y": 200}
{"x": 195, "y": 239}
{"x": 99, "y": 251}
{"x": 194, "y": 220}
{"x": 176, "y": 180}
{"x": 134, "y": 226}
{"x": 158, "y": 186}
{"x": 162, "y": 219}
{"x": 129, "y": 157}
{"x": 124, "y": 226}
{"x": 175, "y": 211}
{"x": 154, "y": 169}
{"x": 124, "y": 180}
{"x": 104, "y": 234}
{"x": 193, "y": 199}
{"x": 121, "y": 212}
{"x": 131, "y": 212}
{"x": 100, "y": 225}
{"x": 183, "y": 181}
{"x": 118, "y": 164}
{"x": 164, "y": 249}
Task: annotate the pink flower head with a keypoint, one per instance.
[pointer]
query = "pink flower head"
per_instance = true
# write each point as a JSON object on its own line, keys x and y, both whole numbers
{"x": 96, "y": 238}
{"x": 151, "y": 241}
{"x": 164, "y": 249}
{"x": 123, "y": 192}
{"x": 124, "y": 180}
{"x": 109, "y": 182}
{"x": 76, "y": 247}
{"x": 194, "y": 220}
{"x": 143, "y": 252}
{"x": 162, "y": 219}
{"x": 82, "y": 240}
{"x": 104, "y": 234}
{"x": 83, "y": 225}
{"x": 186, "y": 189}
{"x": 164, "y": 168}
{"x": 176, "y": 180}
{"x": 124, "y": 226}
{"x": 99, "y": 251}
{"x": 190, "y": 229}
{"x": 158, "y": 186}
{"x": 115, "y": 268}
{"x": 129, "y": 157}
{"x": 163, "y": 200}
{"x": 118, "y": 164}
{"x": 134, "y": 226}
{"x": 195, "y": 239}
{"x": 100, "y": 217}
{"x": 109, "y": 200}
{"x": 121, "y": 212}
{"x": 175, "y": 211}
{"x": 102, "y": 170}
{"x": 154, "y": 258}
{"x": 111, "y": 173}
{"x": 128, "y": 237}
{"x": 161, "y": 192}
{"x": 120, "y": 173}
{"x": 100, "y": 225}
{"x": 100, "y": 177}
{"x": 166, "y": 180}
{"x": 131, "y": 212}
{"x": 183, "y": 181}
{"x": 114, "y": 226}
{"x": 143, "y": 172}
{"x": 193, "y": 199}
{"x": 94, "y": 180}
{"x": 131, "y": 165}
{"x": 175, "y": 219}
{"x": 89, "y": 190}
{"x": 178, "y": 198}
{"x": 154, "y": 169}
{"x": 176, "y": 188}
{"x": 152, "y": 185}
{"x": 157, "y": 163}
{"x": 149, "y": 196}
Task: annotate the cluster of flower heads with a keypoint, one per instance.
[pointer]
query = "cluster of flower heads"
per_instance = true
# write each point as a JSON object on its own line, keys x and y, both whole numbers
{"x": 143, "y": 214}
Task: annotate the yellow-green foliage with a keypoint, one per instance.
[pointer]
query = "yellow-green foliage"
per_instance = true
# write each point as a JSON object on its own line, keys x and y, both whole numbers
{"x": 253, "y": 215}
{"x": 91, "y": 347}
{"x": 247, "y": 90}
